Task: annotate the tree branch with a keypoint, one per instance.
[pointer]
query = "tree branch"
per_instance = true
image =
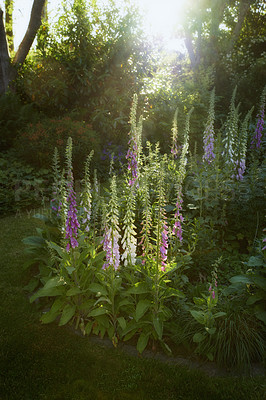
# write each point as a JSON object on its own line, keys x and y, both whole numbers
{"x": 34, "y": 25}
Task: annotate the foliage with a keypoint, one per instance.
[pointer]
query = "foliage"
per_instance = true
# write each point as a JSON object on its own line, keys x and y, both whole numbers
{"x": 125, "y": 261}
{"x": 37, "y": 141}
{"x": 14, "y": 115}
{"x": 21, "y": 186}
{"x": 90, "y": 61}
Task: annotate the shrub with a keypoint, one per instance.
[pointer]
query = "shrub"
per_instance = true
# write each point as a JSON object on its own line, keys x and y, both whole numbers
{"x": 36, "y": 142}
{"x": 14, "y": 115}
{"x": 20, "y": 185}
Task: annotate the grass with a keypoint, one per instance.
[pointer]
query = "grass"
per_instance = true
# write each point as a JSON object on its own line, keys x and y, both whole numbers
{"x": 39, "y": 362}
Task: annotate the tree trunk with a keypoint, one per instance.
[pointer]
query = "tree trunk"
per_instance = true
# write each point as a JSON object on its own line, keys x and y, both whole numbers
{"x": 34, "y": 25}
{"x": 4, "y": 57}
{"x": 244, "y": 7}
{"x": 9, "y": 8}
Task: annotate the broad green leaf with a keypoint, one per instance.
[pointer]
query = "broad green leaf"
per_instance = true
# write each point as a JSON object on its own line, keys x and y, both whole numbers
{"x": 36, "y": 241}
{"x": 103, "y": 320}
{"x": 199, "y": 316}
{"x": 31, "y": 286}
{"x": 70, "y": 269}
{"x": 68, "y": 312}
{"x": 124, "y": 302}
{"x": 53, "y": 287}
{"x": 261, "y": 315}
{"x": 49, "y": 316}
{"x": 255, "y": 261}
{"x": 198, "y": 337}
{"x": 73, "y": 291}
{"x": 241, "y": 279}
{"x": 260, "y": 281}
{"x": 60, "y": 251}
{"x": 158, "y": 325}
{"x": 199, "y": 301}
{"x": 97, "y": 311}
{"x": 97, "y": 288}
{"x": 141, "y": 308}
{"x": 122, "y": 322}
{"x": 139, "y": 288}
{"x": 142, "y": 342}
{"x": 173, "y": 292}
{"x": 255, "y": 297}
{"x": 210, "y": 356}
{"x": 88, "y": 327}
{"x": 104, "y": 299}
{"x": 211, "y": 331}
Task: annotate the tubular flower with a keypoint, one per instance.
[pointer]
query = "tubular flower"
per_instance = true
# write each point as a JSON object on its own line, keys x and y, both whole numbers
{"x": 72, "y": 223}
{"x": 178, "y": 217}
{"x": 132, "y": 160}
{"x": 111, "y": 246}
{"x": 164, "y": 246}
{"x": 256, "y": 141}
{"x": 208, "y": 141}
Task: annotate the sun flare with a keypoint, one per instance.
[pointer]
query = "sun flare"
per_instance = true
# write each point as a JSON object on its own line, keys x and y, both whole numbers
{"x": 162, "y": 18}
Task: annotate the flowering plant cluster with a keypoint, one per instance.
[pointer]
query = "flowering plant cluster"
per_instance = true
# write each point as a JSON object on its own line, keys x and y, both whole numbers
{"x": 120, "y": 249}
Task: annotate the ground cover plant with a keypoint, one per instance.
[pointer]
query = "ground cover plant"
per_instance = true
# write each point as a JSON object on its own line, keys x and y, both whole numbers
{"x": 124, "y": 261}
{"x": 50, "y": 362}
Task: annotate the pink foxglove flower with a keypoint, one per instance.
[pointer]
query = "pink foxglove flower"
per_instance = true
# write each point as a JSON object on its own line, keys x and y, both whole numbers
{"x": 164, "y": 246}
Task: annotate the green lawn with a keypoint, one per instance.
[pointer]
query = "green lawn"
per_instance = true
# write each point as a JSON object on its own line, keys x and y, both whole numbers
{"x": 50, "y": 362}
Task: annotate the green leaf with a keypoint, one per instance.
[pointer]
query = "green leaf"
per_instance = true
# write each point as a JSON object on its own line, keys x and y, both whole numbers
{"x": 53, "y": 287}
{"x": 199, "y": 301}
{"x": 68, "y": 312}
{"x": 122, "y": 322}
{"x": 255, "y": 261}
{"x": 35, "y": 241}
{"x": 219, "y": 314}
{"x": 211, "y": 331}
{"x": 49, "y": 316}
{"x": 97, "y": 311}
{"x": 103, "y": 320}
{"x": 60, "y": 251}
{"x": 73, "y": 291}
{"x": 97, "y": 288}
{"x": 198, "y": 337}
{"x": 260, "y": 281}
{"x": 198, "y": 315}
{"x": 124, "y": 302}
{"x": 158, "y": 325}
{"x": 210, "y": 356}
{"x": 142, "y": 342}
{"x": 141, "y": 308}
{"x": 173, "y": 292}
{"x": 88, "y": 327}
{"x": 241, "y": 279}
{"x": 261, "y": 315}
{"x": 139, "y": 288}
{"x": 70, "y": 269}
{"x": 255, "y": 297}
{"x": 31, "y": 286}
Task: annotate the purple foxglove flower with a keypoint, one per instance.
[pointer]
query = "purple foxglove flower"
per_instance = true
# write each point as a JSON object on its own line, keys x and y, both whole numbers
{"x": 132, "y": 160}
{"x": 256, "y": 141}
{"x": 164, "y": 245}
{"x": 208, "y": 144}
